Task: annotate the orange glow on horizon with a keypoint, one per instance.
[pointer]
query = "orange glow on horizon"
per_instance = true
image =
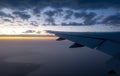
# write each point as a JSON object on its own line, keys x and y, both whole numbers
{"x": 28, "y": 38}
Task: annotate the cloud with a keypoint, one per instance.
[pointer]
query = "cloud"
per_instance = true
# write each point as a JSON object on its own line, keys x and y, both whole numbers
{"x": 77, "y": 15}
{"x": 69, "y": 13}
{"x": 2, "y": 14}
{"x": 71, "y": 24}
{"x": 36, "y": 11}
{"x": 113, "y": 19}
{"x": 89, "y": 18}
{"x": 62, "y": 11}
{"x": 50, "y": 13}
{"x": 22, "y": 15}
{"x": 7, "y": 20}
{"x": 38, "y": 32}
{"x": 29, "y": 31}
{"x": 10, "y": 16}
{"x": 34, "y": 23}
{"x": 50, "y": 21}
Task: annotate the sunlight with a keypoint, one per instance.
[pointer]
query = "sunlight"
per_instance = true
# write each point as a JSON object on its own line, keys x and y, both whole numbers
{"x": 27, "y": 38}
{"x": 18, "y": 30}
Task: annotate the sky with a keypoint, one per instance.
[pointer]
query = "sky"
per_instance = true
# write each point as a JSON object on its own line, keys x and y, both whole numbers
{"x": 32, "y": 16}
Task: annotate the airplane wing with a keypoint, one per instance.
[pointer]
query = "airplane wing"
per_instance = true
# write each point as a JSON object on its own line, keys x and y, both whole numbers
{"x": 107, "y": 42}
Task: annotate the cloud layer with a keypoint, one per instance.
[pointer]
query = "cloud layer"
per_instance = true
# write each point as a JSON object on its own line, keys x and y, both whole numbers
{"x": 59, "y": 12}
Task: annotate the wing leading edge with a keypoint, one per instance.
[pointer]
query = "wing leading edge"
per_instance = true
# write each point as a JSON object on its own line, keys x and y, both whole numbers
{"x": 107, "y": 42}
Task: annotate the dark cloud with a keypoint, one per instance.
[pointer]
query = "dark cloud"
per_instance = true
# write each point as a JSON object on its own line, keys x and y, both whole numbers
{"x": 22, "y": 15}
{"x": 34, "y": 23}
{"x": 32, "y": 31}
{"x": 98, "y": 19}
{"x": 56, "y": 12}
{"x": 78, "y": 4}
{"x": 50, "y": 21}
{"x": 36, "y": 11}
{"x": 76, "y": 15}
{"x": 29, "y": 31}
{"x": 2, "y": 14}
{"x": 37, "y": 5}
{"x": 89, "y": 18}
{"x": 50, "y": 13}
{"x": 10, "y": 16}
{"x": 69, "y": 13}
{"x": 113, "y": 19}
{"x": 7, "y": 20}
{"x": 82, "y": 14}
{"x": 59, "y": 10}
{"x": 71, "y": 24}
